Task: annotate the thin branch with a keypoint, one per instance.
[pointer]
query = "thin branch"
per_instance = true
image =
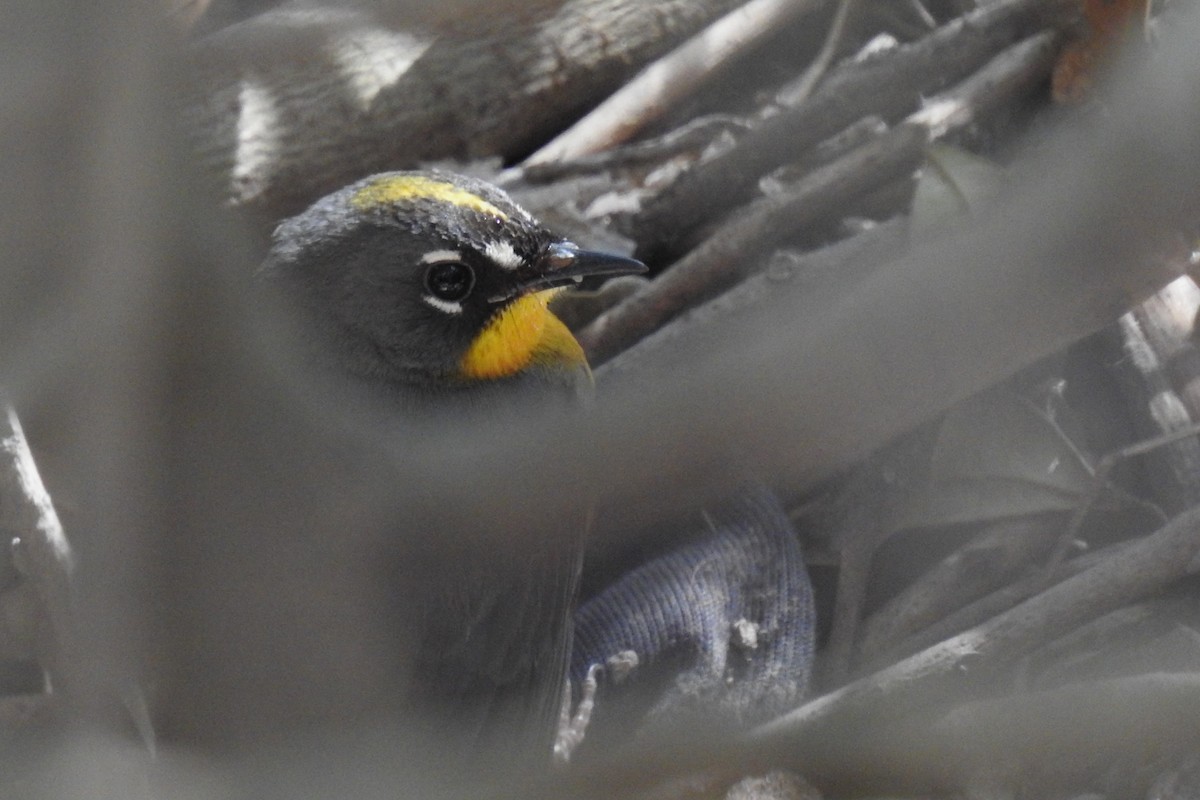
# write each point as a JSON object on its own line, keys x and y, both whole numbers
{"x": 696, "y": 134}
{"x": 796, "y": 93}
{"x": 676, "y": 76}
{"x": 1100, "y": 482}
{"x": 922, "y": 14}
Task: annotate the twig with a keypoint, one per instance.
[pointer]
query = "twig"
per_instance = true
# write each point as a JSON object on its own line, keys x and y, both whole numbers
{"x": 694, "y": 135}
{"x": 1099, "y": 483}
{"x": 796, "y": 93}
{"x": 785, "y": 179}
{"x": 1006, "y": 546}
{"x": 660, "y": 86}
{"x": 730, "y": 251}
{"x": 890, "y": 86}
{"x": 922, "y": 13}
{"x": 985, "y": 608}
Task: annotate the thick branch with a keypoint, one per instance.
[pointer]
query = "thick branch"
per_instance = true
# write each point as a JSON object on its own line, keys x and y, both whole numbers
{"x": 295, "y": 103}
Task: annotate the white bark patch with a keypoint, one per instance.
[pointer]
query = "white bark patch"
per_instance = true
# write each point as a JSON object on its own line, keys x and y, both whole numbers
{"x": 258, "y": 141}
{"x": 372, "y": 59}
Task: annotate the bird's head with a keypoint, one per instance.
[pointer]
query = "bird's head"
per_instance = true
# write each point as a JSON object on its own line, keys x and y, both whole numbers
{"x": 435, "y": 280}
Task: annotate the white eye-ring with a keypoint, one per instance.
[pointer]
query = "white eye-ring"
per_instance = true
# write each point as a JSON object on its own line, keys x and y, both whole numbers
{"x": 447, "y": 280}
{"x": 444, "y": 306}
{"x": 441, "y": 255}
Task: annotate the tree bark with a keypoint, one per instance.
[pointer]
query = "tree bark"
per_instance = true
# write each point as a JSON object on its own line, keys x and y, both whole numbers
{"x": 292, "y": 104}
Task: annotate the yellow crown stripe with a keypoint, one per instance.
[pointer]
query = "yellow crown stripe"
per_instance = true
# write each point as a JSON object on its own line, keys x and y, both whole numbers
{"x": 399, "y": 188}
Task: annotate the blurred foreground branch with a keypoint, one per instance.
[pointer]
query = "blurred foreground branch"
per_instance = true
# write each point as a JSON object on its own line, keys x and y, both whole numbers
{"x": 242, "y": 520}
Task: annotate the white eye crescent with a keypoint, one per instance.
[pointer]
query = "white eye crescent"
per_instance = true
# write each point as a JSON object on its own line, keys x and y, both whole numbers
{"x": 448, "y": 280}
{"x": 442, "y": 305}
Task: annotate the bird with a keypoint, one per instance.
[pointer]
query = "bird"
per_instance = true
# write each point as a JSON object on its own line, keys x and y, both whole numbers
{"x": 429, "y": 291}
{"x": 434, "y": 287}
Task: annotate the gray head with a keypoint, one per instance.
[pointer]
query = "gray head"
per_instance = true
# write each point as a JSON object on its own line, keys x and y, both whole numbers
{"x": 431, "y": 280}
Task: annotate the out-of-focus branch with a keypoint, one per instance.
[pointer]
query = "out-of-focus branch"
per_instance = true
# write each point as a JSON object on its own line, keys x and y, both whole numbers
{"x": 674, "y": 77}
{"x": 1070, "y": 732}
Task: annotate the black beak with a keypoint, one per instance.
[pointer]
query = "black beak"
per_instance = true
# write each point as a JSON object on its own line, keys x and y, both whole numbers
{"x": 564, "y": 264}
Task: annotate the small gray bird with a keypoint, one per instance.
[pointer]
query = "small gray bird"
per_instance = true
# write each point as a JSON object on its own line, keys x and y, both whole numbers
{"x": 431, "y": 290}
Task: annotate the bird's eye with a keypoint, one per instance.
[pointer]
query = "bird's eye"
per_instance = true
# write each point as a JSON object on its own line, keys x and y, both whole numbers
{"x": 449, "y": 280}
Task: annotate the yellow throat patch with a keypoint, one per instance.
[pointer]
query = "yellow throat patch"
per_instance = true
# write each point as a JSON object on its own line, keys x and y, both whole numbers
{"x": 399, "y": 188}
{"x": 523, "y": 335}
